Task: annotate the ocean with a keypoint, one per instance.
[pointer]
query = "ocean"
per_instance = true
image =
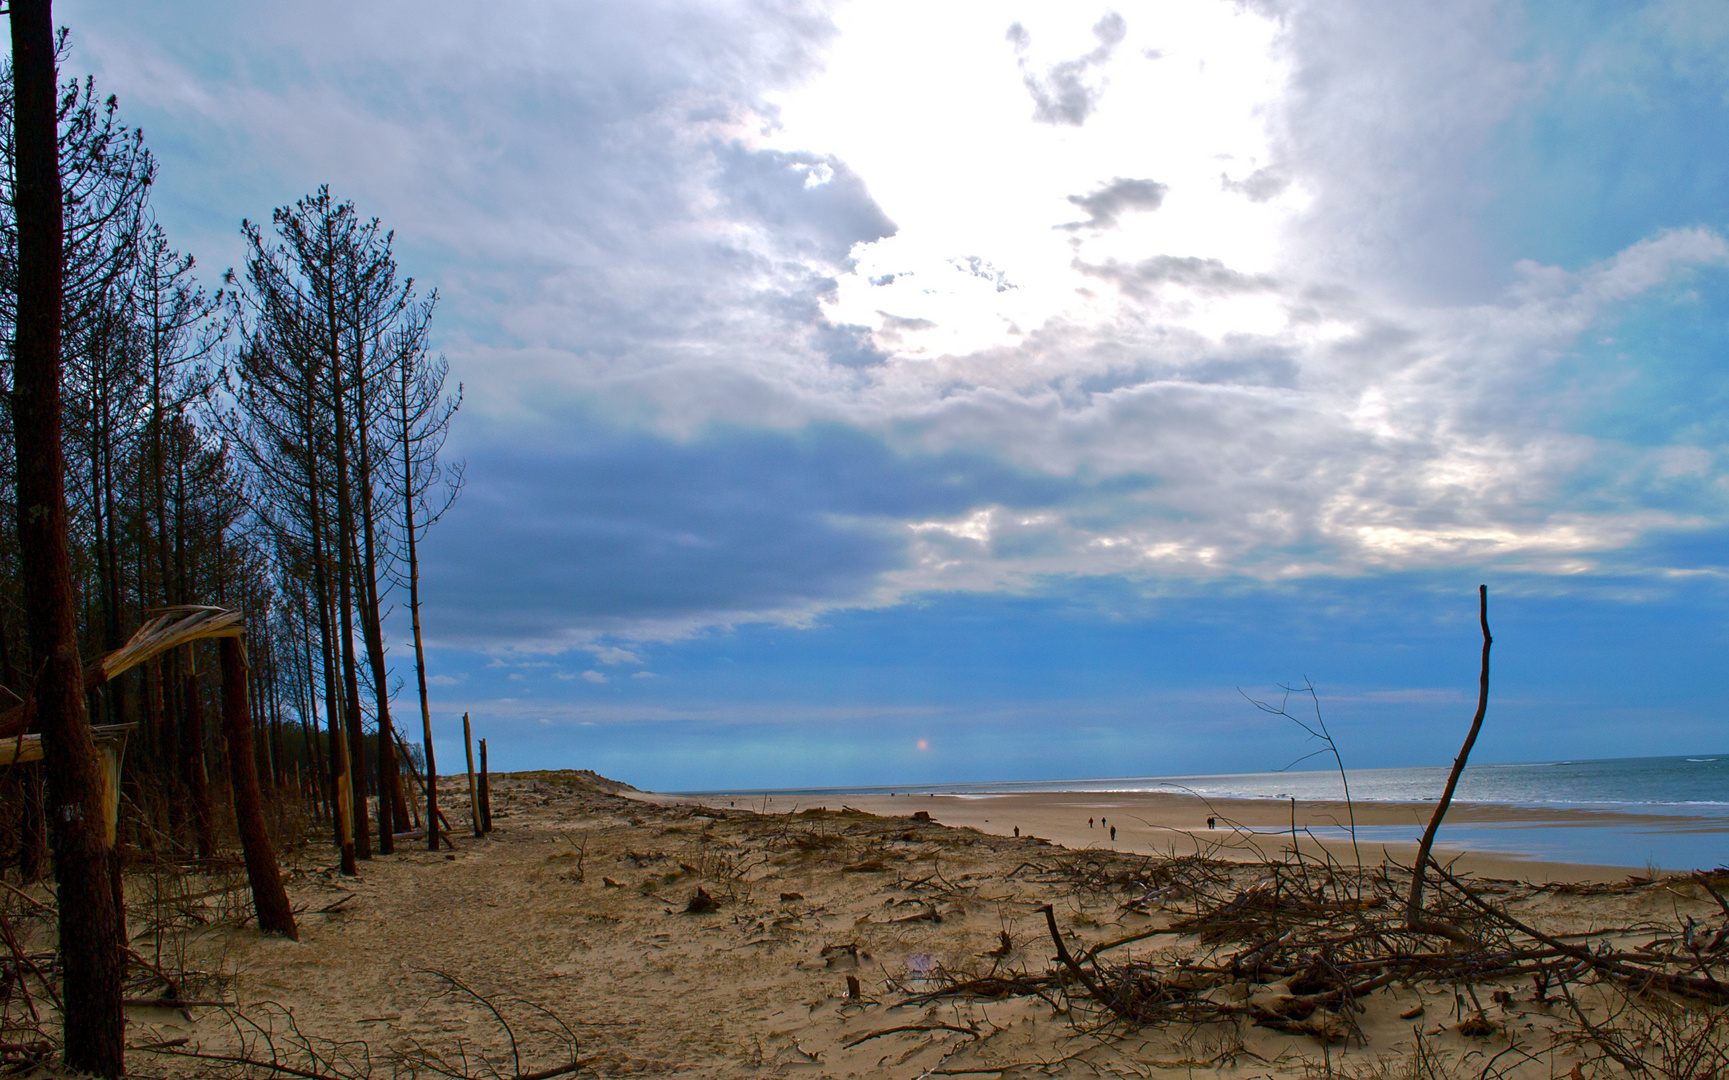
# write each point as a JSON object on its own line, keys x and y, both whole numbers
{"x": 1680, "y": 804}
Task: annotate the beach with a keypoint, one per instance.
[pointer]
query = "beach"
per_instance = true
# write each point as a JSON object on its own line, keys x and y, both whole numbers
{"x": 643, "y": 934}
{"x": 1164, "y": 823}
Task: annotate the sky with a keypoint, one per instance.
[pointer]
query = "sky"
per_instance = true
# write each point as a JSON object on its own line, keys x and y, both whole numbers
{"x": 880, "y": 392}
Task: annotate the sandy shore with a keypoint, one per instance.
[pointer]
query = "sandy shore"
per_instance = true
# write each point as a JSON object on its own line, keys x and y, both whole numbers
{"x": 1157, "y": 823}
{"x": 825, "y": 929}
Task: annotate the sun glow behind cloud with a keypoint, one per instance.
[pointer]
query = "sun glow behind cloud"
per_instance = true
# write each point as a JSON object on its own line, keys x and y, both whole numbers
{"x": 930, "y": 106}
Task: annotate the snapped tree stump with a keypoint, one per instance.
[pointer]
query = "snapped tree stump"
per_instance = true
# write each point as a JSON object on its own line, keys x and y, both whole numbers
{"x": 268, "y": 897}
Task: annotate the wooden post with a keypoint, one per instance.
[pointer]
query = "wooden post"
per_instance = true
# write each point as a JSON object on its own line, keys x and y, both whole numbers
{"x": 485, "y": 793}
{"x": 473, "y": 793}
{"x": 268, "y": 897}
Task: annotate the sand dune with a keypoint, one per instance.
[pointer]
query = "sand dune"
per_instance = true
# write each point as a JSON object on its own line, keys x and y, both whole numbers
{"x": 578, "y": 903}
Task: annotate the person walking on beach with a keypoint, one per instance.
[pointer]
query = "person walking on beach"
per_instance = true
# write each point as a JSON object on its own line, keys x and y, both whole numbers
{"x": 1113, "y": 834}
{"x": 1089, "y": 823}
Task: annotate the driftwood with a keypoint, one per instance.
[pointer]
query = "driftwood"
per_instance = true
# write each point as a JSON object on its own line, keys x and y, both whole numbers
{"x": 1299, "y": 947}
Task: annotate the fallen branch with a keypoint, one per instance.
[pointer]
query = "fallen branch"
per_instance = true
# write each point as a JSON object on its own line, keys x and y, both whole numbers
{"x": 1707, "y": 988}
{"x": 908, "y": 1027}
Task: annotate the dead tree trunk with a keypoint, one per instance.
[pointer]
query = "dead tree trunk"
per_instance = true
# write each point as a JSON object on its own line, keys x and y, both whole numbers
{"x": 1414, "y": 908}
{"x": 419, "y": 650}
{"x": 473, "y": 792}
{"x": 485, "y": 792}
{"x": 193, "y": 766}
{"x": 268, "y": 896}
{"x": 89, "y": 924}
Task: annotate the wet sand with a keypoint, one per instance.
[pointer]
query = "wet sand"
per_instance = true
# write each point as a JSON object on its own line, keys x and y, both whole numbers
{"x": 1157, "y": 823}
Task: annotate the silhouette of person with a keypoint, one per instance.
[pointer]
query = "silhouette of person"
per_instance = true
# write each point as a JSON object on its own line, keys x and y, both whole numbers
{"x": 1212, "y": 823}
{"x": 1113, "y": 834}
{"x": 1089, "y": 823}
{"x": 1017, "y": 830}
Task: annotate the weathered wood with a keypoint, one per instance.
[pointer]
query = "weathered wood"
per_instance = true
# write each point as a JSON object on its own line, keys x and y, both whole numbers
{"x": 485, "y": 793}
{"x": 473, "y": 792}
{"x": 268, "y": 896}
{"x": 172, "y": 627}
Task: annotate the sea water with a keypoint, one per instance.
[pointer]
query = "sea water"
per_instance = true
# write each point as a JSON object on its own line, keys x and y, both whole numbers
{"x": 1678, "y": 806}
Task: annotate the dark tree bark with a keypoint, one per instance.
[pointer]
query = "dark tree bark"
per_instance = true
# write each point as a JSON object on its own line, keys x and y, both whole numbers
{"x": 485, "y": 792}
{"x": 344, "y": 590}
{"x": 32, "y": 823}
{"x": 268, "y": 896}
{"x": 193, "y": 767}
{"x": 89, "y": 923}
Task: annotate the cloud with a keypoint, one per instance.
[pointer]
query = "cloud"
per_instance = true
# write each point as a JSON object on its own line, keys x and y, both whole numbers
{"x": 1064, "y": 94}
{"x": 612, "y": 655}
{"x": 623, "y": 532}
{"x": 675, "y": 420}
{"x": 1259, "y": 186}
{"x": 1397, "y": 179}
{"x": 981, "y": 268}
{"x": 1107, "y": 203}
{"x": 1211, "y": 276}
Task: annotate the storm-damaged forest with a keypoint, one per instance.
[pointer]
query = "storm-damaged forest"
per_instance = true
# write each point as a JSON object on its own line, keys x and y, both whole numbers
{"x": 251, "y": 454}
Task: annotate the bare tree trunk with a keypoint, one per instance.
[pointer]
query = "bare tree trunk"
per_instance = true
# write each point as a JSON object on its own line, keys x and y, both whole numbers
{"x": 392, "y": 804}
{"x": 1414, "y": 908}
{"x": 414, "y": 616}
{"x": 268, "y": 896}
{"x": 193, "y": 766}
{"x": 485, "y": 792}
{"x": 345, "y": 612}
{"x": 89, "y": 923}
{"x": 473, "y": 792}
{"x": 341, "y": 800}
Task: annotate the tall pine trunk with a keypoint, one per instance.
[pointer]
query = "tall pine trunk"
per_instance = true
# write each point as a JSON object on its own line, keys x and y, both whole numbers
{"x": 345, "y": 637}
{"x": 89, "y": 921}
{"x": 392, "y": 803}
{"x": 414, "y": 615}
